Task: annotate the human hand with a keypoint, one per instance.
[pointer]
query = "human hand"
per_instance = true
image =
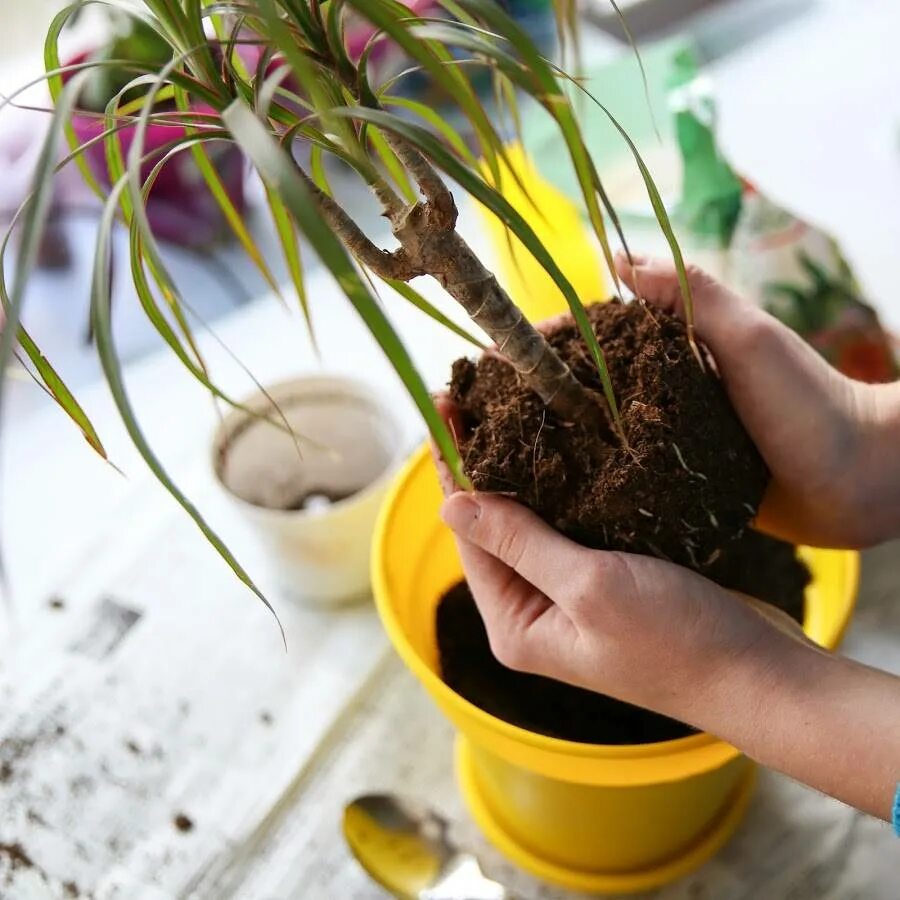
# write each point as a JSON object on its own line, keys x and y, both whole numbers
{"x": 662, "y": 637}
{"x": 634, "y": 627}
{"x": 820, "y": 433}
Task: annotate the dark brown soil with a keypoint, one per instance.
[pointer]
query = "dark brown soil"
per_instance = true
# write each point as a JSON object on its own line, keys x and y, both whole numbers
{"x": 16, "y": 855}
{"x": 532, "y": 701}
{"x": 183, "y": 822}
{"x": 692, "y": 480}
{"x": 765, "y": 568}
{"x": 755, "y": 564}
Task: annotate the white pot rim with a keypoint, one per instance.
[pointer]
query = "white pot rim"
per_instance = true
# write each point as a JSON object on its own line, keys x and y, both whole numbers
{"x": 295, "y": 388}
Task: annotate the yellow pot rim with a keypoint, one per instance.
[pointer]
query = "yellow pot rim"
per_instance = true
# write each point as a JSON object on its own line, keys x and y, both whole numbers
{"x": 707, "y": 749}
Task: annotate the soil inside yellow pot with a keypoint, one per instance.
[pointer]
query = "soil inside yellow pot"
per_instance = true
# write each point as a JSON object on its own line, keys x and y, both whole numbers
{"x": 588, "y": 816}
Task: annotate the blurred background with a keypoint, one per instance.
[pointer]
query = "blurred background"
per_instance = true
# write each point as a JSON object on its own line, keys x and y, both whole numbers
{"x": 154, "y": 733}
{"x": 798, "y": 97}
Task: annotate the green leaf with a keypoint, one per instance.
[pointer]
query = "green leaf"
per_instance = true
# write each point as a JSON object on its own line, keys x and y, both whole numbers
{"x": 287, "y": 236}
{"x": 623, "y": 21}
{"x": 410, "y": 294}
{"x": 158, "y": 320}
{"x": 109, "y": 360}
{"x": 436, "y": 121}
{"x": 279, "y": 171}
{"x": 229, "y": 210}
{"x": 132, "y": 202}
{"x": 662, "y": 217}
{"x": 317, "y": 170}
{"x": 392, "y": 164}
{"x": 537, "y": 78}
{"x": 395, "y": 20}
{"x": 428, "y": 144}
{"x": 33, "y": 222}
{"x": 55, "y": 72}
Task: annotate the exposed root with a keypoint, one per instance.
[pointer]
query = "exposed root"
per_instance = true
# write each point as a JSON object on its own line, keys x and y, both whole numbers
{"x": 684, "y": 465}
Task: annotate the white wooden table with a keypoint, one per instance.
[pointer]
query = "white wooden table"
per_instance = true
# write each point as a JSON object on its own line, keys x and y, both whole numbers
{"x": 142, "y": 688}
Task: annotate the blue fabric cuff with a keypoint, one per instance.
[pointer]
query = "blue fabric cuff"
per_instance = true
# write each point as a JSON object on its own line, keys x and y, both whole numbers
{"x": 896, "y": 812}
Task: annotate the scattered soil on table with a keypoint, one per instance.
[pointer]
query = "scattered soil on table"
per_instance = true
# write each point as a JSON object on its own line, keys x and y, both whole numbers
{"x": 15, "y": 750}
{"x": 56, "y": 603}
{"x": 16, "y": 856}
{"x": 692, "y": 480}
{"x": 183, "y": 822}
{"x": 266, "y": 717}
{"x": 755, "y": 564}
{"x": 13, "y": 859}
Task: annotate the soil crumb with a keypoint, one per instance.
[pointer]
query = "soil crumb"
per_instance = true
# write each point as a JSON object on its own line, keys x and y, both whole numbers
{"x": 183, "y": 822}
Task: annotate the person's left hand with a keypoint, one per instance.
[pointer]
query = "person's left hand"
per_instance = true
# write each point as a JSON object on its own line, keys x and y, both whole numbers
{"x": 637, "y": 628}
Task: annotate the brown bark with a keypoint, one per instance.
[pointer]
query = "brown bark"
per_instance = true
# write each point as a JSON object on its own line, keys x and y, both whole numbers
{"x": 443, "y": 254}
{"x": 430, "y": 245}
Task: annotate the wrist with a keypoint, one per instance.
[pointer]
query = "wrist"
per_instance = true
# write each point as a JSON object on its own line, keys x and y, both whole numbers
{"x": 877, "y": 467}
{"x": 750, "y": 680}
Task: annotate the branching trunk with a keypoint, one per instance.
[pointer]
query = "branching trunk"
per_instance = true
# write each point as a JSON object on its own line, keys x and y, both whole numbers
{"x": 430, "y": 245}
{"x": 444, "y": 255}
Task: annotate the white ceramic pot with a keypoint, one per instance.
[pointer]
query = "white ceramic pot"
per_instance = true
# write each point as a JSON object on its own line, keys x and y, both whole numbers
{"x": 312, "y": 501}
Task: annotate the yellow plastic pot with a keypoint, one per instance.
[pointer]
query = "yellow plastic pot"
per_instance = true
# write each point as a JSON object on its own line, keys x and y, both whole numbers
{"x": 588, "y": 817}
{"x": 559, "y": 227}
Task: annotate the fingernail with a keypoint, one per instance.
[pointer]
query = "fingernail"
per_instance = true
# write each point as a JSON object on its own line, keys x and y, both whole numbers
{"x": 459, "y": 512}
{"x": 637, "y": 259}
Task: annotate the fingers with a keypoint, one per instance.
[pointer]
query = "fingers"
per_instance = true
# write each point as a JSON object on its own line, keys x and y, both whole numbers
{"x": 717, "y": 310}
{"x": 449, "y": 412}
{"x": 517, "y": 537}
{"x": 514, "y": 612}
{"x": 548, "y": 325}
{"x": 523, "y": 625}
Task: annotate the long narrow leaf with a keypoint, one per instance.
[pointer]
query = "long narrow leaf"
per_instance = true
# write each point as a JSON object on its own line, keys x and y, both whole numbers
{"x": 226, "y": 205}
{"x": 52, "y": 382}
{"x": 411, "y": 295}
{"x": 35, "y": 216}
{"x": 279, "y": 171}
{"x": 287, "y": 236}
{"x": 100, "y": 316}
{"x": 629, "y": 36}
{"x": 436, "y": 121}
{"x": 392, "y": 164}
{"x": 507, "y": 213}
{"x": 662, "y": 217}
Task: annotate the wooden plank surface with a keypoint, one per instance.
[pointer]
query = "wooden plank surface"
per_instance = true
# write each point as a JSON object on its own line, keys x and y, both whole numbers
{"x": 159, "y": 743}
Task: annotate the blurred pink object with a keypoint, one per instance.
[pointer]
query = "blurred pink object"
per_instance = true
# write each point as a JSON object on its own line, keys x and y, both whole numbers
{"x": 24, "y": 131}
{"x": 358, "y": 33}
{"x": 20, "y": 145}
{"x": 181, "y": 207}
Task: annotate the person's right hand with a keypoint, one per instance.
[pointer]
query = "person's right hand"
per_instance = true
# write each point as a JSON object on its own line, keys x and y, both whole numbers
{"x": 835, "y": 475}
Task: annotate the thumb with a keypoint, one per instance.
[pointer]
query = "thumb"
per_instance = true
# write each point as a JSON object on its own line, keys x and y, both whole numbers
{"x": 717, "y": 309}
{"x": 516, "y": 536}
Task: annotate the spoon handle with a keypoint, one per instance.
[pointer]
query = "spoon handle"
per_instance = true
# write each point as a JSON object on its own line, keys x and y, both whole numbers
{"x": 464, "y": 880}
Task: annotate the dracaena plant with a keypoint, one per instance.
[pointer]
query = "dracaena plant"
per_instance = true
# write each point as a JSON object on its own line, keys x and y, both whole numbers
{"x": 265, "y": 74}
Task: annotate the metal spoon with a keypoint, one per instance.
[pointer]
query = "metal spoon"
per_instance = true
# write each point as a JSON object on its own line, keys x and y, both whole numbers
{"x": 404, "y": 847}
